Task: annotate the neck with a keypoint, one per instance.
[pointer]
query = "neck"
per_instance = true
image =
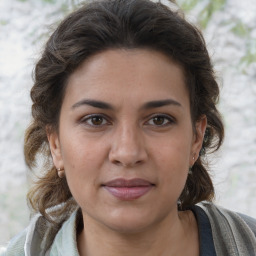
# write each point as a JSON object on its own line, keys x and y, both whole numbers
{"x": 177, "y": 235}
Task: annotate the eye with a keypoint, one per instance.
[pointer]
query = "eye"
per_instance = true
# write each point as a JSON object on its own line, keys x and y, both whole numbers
{"x": 95, "y": 120}
{"x": 160, "y": 120}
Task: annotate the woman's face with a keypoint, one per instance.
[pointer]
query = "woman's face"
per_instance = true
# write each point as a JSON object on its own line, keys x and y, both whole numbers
{"x": 126, "y": 139}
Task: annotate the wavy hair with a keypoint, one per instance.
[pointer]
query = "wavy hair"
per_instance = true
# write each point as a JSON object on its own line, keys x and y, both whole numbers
{"x": 113, "y": 24}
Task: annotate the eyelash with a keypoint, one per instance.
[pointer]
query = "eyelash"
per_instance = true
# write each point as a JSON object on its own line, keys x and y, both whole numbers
{"x": 88, "y": 118}
{"x": 168, "y": 120}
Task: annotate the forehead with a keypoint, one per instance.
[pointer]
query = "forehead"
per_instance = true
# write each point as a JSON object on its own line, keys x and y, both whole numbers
{"x": 126, "y": 75}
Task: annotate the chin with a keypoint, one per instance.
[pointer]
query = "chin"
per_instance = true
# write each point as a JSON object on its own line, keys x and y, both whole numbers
{"x": 128, "y": 228}
{"x": 130, "y": 223}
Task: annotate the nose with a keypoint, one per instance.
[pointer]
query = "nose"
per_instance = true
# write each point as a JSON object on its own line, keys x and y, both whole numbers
{"x": 128, "y": 147}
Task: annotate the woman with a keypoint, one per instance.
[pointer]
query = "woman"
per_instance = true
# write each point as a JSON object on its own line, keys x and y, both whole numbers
{"x": 124, "y": 110}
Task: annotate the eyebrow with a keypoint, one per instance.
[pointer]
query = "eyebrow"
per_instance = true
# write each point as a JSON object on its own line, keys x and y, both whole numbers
{"x": 93, "y": 103}
{"x": 147, "y": 105}
{"x": 160, "y": 103}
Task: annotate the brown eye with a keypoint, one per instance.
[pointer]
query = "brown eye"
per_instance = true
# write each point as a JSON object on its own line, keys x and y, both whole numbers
{"x": 95, "y": 120}
{"x": 160, "y": 120}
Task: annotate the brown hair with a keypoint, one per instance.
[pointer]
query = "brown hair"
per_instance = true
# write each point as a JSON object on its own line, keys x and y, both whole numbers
{"x": 105, "y": 24}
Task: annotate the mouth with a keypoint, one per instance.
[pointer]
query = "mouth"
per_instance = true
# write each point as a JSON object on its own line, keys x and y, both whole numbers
{"x": 128, "y": 189}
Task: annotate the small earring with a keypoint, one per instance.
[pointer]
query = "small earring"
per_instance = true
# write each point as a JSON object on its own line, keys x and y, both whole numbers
{"x": 61, "y": 172}
{"x": 190, "y": 167}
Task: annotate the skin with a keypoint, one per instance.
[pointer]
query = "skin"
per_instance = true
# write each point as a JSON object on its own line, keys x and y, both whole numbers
{"x": 129, "y": 139}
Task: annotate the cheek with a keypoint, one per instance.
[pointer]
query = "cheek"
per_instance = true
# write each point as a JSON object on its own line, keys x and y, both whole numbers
{"x": 174, "y": 153}
{"x": 80, "y": 150}
{"x": 80, "y": 163}
{"x": 82, "y": 172}
{"x": 172, "y": 164}
{"x": 83, "y": 158}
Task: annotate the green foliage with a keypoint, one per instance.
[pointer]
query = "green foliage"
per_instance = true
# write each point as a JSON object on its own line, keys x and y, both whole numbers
{"x": 3, "y": 22}
{"x": 249, "y": 58}
{"x": 50, "y": 1}
{"x": 240, "y": 29}
{"x": 250, "y": 53}
{"x": 188, "y": 5}
{"x": 236, "y": 26}
{"x": 207, "y": 13}
{"x": 69, "y": 6}
{"x": 65, "y": 8}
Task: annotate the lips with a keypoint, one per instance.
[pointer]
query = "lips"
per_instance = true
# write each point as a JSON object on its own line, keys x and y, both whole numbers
{"x": 128, "y": 189}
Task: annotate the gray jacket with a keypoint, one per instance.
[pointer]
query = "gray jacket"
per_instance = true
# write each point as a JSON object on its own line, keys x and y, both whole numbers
{"x": 233, "y": 235}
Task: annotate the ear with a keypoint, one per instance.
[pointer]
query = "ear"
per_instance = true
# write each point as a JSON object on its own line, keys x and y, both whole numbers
{"x": 200, "y": 128}
{"x": 54, "y": 143}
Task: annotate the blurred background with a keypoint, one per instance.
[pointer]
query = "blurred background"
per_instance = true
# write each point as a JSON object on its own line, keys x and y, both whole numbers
{"x": 229, "y": 27}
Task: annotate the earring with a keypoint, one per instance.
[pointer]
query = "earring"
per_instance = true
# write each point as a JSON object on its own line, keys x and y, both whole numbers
{"x": 190, "y": 167}
{"x": 61, "y": 172}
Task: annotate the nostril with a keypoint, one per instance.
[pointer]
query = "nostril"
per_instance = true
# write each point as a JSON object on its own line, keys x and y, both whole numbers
{"x": 130, "y": 164}
{"x": 139, "y": 162}
{"x": 127, "y": 153}
{"x": 116, "y": 162}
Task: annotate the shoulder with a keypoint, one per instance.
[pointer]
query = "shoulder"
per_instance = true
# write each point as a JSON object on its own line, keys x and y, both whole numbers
{"x": 218, "y": 213}
{"x": 232, "y": 232}
{"x": 15, "y": 246}
{"x": 36, "y": 239}
{"x": 251, "y": 222}
{"x": 29, "y": 238}
{"x": 65, "y": 241}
